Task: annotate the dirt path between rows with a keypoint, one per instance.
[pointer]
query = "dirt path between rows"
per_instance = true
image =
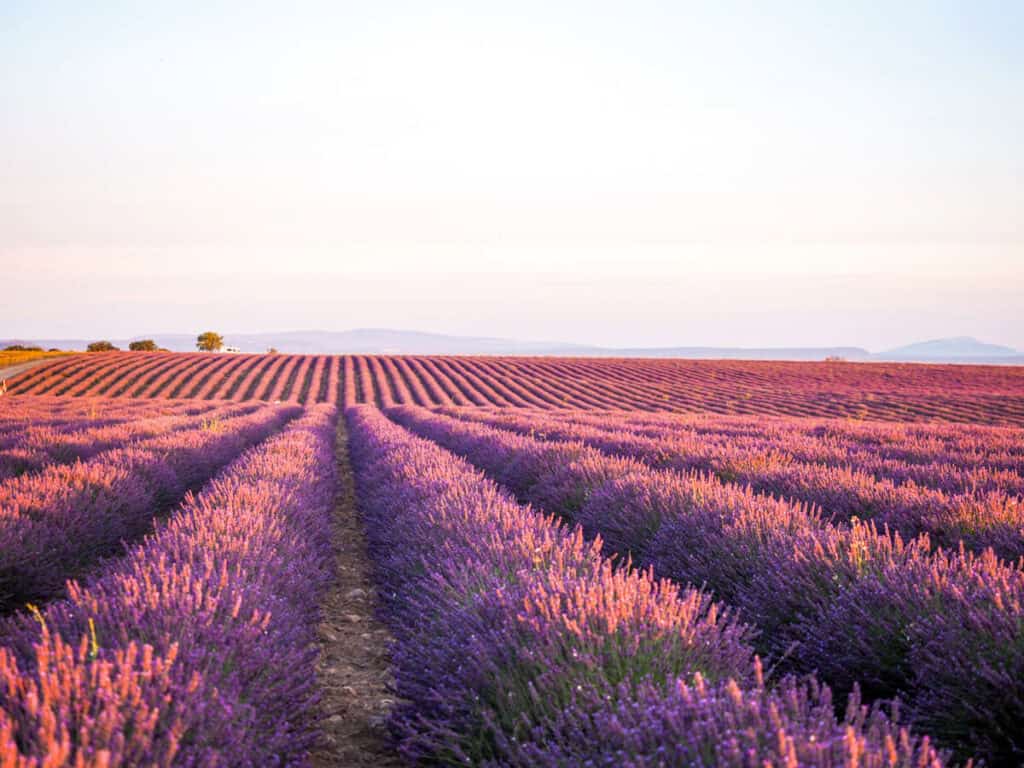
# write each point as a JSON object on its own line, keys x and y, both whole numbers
{"x": 353, "y": 668}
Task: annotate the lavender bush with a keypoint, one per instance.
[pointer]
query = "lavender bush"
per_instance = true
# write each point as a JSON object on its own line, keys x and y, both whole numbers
{"x": 790, "y": 572}
{"x": 198, "y": 647}
{"x": 57, "y": 522}
{"x": 952, "y": 492}
{"x": 517, "y": 643}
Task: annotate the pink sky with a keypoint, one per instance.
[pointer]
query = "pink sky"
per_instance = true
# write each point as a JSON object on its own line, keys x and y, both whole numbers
{"x": 691, "y": 173}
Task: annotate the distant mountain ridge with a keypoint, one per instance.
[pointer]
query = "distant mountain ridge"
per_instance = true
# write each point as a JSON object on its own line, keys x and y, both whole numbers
{"x": 957, "y": 346}
{"x": 961, "y": 349}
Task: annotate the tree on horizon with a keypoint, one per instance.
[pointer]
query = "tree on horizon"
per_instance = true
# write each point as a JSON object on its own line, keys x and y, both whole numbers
{"x": 209, "y": 341}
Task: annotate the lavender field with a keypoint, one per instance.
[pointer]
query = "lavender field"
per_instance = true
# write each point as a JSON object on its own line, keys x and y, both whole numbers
{"x": 537, "y": 385}
{"x": 555, "y": 587}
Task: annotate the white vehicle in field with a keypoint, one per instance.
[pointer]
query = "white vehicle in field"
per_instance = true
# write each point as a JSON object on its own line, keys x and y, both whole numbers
{"x": 234, "y": 350}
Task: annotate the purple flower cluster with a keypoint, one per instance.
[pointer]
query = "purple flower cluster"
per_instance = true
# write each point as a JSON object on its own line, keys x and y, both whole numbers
{"x": 198, "y": 646}
{"x": 727, "y": 726}
{"x": 56, "y": 523}
{"x": 64, "y": 412}
{"x": 955, "y": 483}
{"x": 33, "y": 448}
{"x": 942, "y": 630}
{"x": 518, "y": 643}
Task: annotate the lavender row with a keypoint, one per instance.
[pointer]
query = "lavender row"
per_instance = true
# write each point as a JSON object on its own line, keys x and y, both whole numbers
{"x": 979, "y": 519}
{"x": 56, "y": 523}
{"x": 946, "y": 467}
{"x": 198, "y": 647}
{"x": 39, "y": 448}
{"x": 45, "y": 417}
{"x": 986, "y": 458}
{"x": 912, "y": 441}
{"x": 828, "y": 440}
{"x": 38, "y": 426}
{"x": 518, "y": 644}
{"x": 16, "y": 431}
{"x": 18, "y": 411}
{"x": 712, "y": 445}
{"x": 943, "y": 631}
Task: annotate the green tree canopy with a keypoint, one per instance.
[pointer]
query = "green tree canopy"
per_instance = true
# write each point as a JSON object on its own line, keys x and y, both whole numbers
{"x": 209, "y": 341}
{"x": 143, "y": 345}
{"x": 100, "y": 346}
{"x": 22, "y": 348}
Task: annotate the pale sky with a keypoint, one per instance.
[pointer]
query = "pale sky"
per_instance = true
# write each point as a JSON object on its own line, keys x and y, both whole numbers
{"x": 641, "y": 173}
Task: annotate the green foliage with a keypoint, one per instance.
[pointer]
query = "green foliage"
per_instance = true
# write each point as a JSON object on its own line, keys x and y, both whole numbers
{"x": 101, "y": 346}
{"x": 209, "y": 341}
{"x": 143, "y": 345}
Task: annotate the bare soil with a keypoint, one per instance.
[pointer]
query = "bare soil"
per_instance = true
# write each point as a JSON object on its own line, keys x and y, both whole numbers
{"x": 353, "y": 668}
